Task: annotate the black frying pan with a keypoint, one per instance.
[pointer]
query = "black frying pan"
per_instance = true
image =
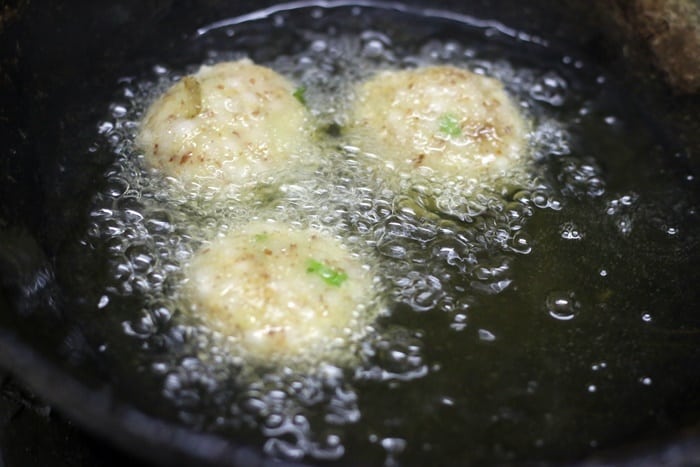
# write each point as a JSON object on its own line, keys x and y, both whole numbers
{"x": 60, "y": 61}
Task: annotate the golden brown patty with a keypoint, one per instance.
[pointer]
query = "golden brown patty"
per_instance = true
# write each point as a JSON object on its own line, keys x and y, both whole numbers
{"x": 282, "y": 292}
{"x": 228, "y": 123}
{"x": 439, "y": 120}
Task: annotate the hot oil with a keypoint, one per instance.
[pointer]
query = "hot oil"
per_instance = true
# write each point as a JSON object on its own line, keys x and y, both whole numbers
{"x": 535, "y": 317}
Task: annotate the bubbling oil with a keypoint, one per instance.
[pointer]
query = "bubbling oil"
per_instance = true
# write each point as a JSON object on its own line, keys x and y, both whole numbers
{"x": 462, "y": 261}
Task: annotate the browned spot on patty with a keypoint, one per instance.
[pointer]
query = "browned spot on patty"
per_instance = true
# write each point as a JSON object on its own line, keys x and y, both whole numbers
{"x": 185, "y": 158}
{"x": 419, "y": 159}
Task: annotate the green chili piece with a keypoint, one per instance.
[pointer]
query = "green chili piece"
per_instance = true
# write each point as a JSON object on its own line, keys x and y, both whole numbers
{"x": 449, "y": 124}
{"x": 300, "y": 94}
{"x": 329, "y": 276}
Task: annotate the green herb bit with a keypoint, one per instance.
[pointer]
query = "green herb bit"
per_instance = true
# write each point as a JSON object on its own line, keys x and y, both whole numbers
{"x": 329, "y": 276}
{"x": 449, "y": 124}
{"x": 300, "y": 94}
{"x": 260, "y": 237}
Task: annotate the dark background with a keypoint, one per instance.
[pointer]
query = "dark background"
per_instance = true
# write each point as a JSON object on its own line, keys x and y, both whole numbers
{"x": 32, "y": 434}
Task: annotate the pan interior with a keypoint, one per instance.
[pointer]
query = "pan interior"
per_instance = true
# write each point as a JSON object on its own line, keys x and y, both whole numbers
{"x": 542, "y": 317}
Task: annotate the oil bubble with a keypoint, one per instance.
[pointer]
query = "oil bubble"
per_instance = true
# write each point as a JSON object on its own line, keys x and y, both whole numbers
{"x": 103, "y": 302}
{"x": 459, "y": 322}
{"x": 552, "y": 138}
{"x": 622, "y": 204}
{"x": 570, "y": 231}
{"x": 393, "y": 447}
{"x": 396, "y": 356}
{"x": 562, "y": 305}
{"x": 581, "y": 178}
{"x": 520, "y": 243}
{"x": 540, "y": 200}
{"x": 420, "y": 292}
{"x": 160, "y": 70}
{"x": 447, "y": 401}
{"x": 550, "y": 88}
{"x": 486, "y": 335}
{"x": 624, "y": 225}
{"x": 119, "y": 110}
{"x": 105, "y": 128}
